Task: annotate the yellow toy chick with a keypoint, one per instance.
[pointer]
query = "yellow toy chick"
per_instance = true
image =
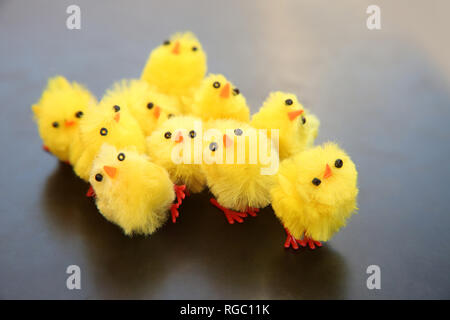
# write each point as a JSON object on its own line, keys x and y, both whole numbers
{"x": 58, "y": 113}
{"x": 172, "y": 146}
{"x": 131, "y": 191}
{"x": 314, "y": 194}
{"x": 234, "y": 164}
{"x": 284, "y": 112}
{"x": 177, "y": 67}
{"x": 218, "y": 98}
{"x": 104, "y": 123}
{"x": 148, "y": 106}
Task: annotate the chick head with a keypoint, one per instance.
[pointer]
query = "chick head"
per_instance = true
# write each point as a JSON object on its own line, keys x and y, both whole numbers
{"x": 113, "y": 124}
{"x": 131, "y": 191}
{"x": 148, "y": 106}
{"x": 218, "y": 98}
{"x": 58, "y": 112}
{"x": 177, "y": 146}
{"x": 176, "y": 66}
{"x": 284, "y": 110}
{"x": 327, "y": 180}
{"x": 236, "y": 166}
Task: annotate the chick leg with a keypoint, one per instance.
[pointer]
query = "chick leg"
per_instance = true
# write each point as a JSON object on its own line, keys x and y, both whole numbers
{"x": 310, "y": 242}
{"x": 252, "y": 211}
{"x": 45, "y": 148}
{"x": 179, "y": 192}
{"x": 290, "y": 240}
{"x": 231, "y": 215}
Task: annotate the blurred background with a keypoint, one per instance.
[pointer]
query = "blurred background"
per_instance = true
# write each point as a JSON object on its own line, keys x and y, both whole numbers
{"x": 384, "y": 95}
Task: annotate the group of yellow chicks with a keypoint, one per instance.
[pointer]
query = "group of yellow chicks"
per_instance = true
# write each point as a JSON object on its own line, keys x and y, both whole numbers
{"x": 123, "y": 146}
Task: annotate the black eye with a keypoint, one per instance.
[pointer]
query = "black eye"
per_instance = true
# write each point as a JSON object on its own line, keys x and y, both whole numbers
{"x": 166, "y": 43}
{"x": 116, "y": 108}
{"x": 303, "y": 120}
{"x": 289, "y": 102}
{"x": 79, "y": 114}
{"x": 236, "y": 91}
{"x": 121, "y": 156}
{"x": 55, "y": 124}
{"x": 103, "y": 131}
{"x": 216, "y": 84}
{"x": 98, "y": 177}
{"x": 167, "y": 135}
{"x": 213, "y": 146}
{"x": 338, "y": 163}
{"x": 316, "y": 181}
{"x": 170, "y": 115}
{"x": 150, "y": 105}
{"x": 238, "y": 132}
{"x": 192, "y": 134}
{"x": 194, "y": 48}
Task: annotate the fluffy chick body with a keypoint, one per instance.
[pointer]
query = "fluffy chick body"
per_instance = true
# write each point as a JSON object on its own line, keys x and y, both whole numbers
{"x": 179, "y": 134}
{"x": 315, "y": 210}
{"x": 284, "y": 112}
{"x": 146, "y": 104}
{"x": 312, "y": 127}
{"x": 104, "y": 123}
{"x": 236, "y": 186}
{"x": 218, "y": 98}
{"x": 58, "y": 112}
{"x": 131, "y": 191}
{"x": 177, "y": 67}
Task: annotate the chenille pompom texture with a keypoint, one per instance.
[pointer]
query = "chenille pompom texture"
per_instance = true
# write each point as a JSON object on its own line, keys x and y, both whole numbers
{"x": 283, "y": 111}
{"x": 104, "y": 123}
{"x": 176, "y": 137}
{"x": 58, "y": 113}
{"x": 238, "y": 185}
{"x": 218, "y": 98}
{"x": 177, "y": 67}
{"x": 131, "y": 191}
{"x": 316, "y": 210}
{"x": 146, "y": 104}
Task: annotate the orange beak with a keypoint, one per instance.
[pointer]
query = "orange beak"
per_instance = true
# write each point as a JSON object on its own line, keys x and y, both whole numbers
{"x": 69, "y": 123}
{"x": 225, "y": 92}
{"x": 117, "y": 117}
{"x": 176, "y": 49}
{"x": 110, "y": 171}
{"x": 179, "y": 137}
{"x": 227, "y": 142}
{"x": 294, "y": 114}
{"x": 328, "y": 173}
{"x": 157, "y": 112}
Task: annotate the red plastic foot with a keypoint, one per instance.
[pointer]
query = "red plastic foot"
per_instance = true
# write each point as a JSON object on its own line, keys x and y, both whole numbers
{"x": 310, "y": 242}
{"x": 46, "y": 149}
{"x": 180, "y": 193}
{"x": 290, "y": 240}
{"x": 187, "y": 193}
{"x": 174, "y": 211}
{"x": 90, "y": 193}
{"x": 252, "y": 211}
{"x": 231, "y": 215}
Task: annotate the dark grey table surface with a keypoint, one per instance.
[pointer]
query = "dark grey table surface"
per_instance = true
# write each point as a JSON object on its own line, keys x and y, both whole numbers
{"x": 384, "y": 95}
